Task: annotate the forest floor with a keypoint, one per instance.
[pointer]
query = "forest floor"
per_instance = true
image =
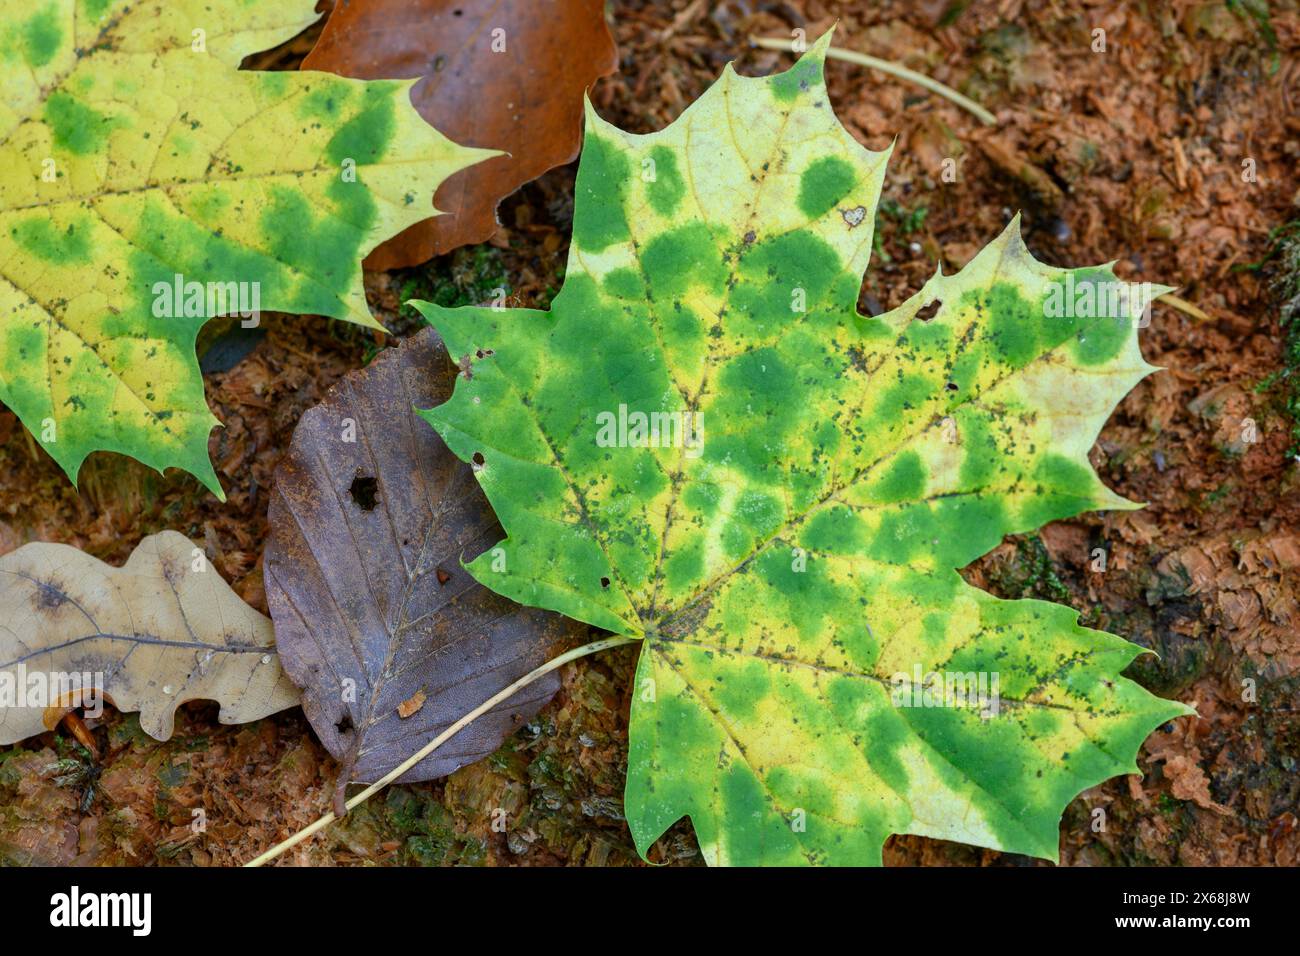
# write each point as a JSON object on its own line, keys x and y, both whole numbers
{"x": 1174, "y": 152}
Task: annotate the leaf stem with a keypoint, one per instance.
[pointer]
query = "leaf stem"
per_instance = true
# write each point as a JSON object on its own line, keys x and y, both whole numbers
{"x": 441, "y": 739}
{"x": 893, "y": 69}
{"x": 1182, "y": 305}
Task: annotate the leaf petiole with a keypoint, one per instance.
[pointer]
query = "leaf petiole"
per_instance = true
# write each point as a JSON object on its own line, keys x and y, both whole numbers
{"x": 886, "y": 66}
{"x": 442, "y": 738}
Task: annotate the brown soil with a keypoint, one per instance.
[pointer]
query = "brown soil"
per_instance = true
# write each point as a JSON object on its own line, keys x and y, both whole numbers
{"x": 1134, "y": 154}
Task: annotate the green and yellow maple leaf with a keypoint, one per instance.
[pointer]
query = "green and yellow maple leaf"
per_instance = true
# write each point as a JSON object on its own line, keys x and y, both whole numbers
{"x": 132, "y": 151}
{"x": 788, "y": 554}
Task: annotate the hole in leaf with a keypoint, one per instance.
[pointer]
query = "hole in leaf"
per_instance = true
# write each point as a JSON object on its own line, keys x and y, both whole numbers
{"x": 604, "y": 582}
{"x": 478, "y": 458}
{"x": 345, "y": 725}
{"x": 951, "y": 386}
{"x": 365, "y": 492}
{"x": 443, "y": 576}
{"x": 928, "y": 312}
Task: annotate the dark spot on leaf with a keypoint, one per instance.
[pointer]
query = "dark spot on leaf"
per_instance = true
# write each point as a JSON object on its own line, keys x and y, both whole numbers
{"x": 49, "y": 597}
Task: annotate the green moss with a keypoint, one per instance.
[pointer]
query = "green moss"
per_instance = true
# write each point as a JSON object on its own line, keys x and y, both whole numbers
{"x": 470, "y": 276}
{"x": 1257, "y": 12}
{"x": 893, "y": 221}
{"x": 1030, "y": 574}
{"x": 907, "y": 221}
{"x": 1282, "y": 261}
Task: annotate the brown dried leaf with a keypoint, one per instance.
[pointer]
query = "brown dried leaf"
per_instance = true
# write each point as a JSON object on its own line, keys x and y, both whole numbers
{"x": 370, "y": 519}
{"x": 526, "y": 100}
{"x": 159, "y": 631}
{"x": 408, "y": 707}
